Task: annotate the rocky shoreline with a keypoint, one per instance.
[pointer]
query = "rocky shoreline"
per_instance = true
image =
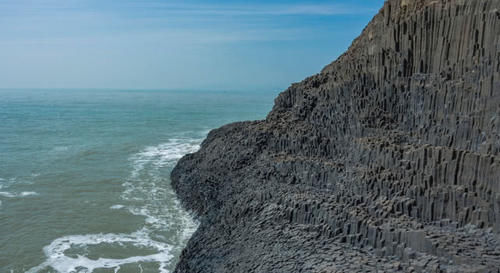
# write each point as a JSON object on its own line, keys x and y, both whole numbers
{"x": 387, "y": 160}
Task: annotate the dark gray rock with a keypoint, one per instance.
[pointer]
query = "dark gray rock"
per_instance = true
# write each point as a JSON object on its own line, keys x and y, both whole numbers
{"x": 388, "y": 160}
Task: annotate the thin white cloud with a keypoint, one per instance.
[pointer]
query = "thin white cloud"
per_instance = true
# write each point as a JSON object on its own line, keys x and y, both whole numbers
{"x": 253, "y": 10}
{"x": 260, "y": 9}
{"x": 318, "y": 10}
{"x": 58, "y": 21}
{"x": 163, "y": 38}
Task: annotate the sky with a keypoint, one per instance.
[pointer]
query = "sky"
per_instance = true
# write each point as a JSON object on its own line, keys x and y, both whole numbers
{"x": 169, "y": 44}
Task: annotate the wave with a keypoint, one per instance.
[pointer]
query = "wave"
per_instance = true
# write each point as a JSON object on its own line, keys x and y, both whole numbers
{"x": 163, "y": 154}
{"x": 148, "y": 183}
{"x": 61, "y": 262}
{"x": 146, "y": 193}
{"x": 14, "y": 195}
{"x": 117, "y": 207}
{"x": 6, "y": 183}
{"x": 60, "y": 149}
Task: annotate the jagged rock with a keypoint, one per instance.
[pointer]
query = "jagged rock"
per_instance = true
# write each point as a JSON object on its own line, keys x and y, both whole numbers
{"x": 388, "y": 160}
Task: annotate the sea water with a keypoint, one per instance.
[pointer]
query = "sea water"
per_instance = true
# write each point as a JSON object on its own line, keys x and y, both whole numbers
{"x": 84, "y": 174}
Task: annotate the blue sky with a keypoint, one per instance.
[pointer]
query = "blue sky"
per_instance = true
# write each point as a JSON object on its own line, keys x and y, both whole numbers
{"x": 163, "y": 44}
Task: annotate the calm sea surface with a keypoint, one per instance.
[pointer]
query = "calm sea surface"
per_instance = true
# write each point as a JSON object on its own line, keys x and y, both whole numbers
{"x": 84, "y": 174}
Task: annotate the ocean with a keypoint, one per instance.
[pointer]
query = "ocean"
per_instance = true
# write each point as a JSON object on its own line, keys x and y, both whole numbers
{"x": 84, "y": 174}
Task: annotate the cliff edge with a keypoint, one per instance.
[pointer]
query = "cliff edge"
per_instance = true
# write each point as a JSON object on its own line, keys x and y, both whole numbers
{"x": 387, "y": 160}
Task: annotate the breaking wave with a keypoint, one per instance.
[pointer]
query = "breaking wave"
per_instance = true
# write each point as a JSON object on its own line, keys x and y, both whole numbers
{"x": 147, "y": 193}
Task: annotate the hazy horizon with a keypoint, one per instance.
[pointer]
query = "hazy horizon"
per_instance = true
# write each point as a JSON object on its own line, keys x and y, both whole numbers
{"x": 173, "y": 45}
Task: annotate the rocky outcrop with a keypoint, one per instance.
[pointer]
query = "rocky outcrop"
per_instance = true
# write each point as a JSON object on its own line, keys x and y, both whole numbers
{"x": 388, "y": 160}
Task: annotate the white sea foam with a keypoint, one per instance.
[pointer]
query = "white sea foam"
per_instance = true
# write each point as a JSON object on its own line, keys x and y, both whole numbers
{"x": 57, "y": 260}
{"x": 27, "y": 193}
{"x": 163, "y": 210}
{"x": 117, "y": 207}
{"x": 163, "y": 154}
{"x": 7, "y": 194}
{"x": 147, "y": 183}
{"x": 5, "y": 183}
{"x": 14, "y": 195}
{"x": 146, "y": 186}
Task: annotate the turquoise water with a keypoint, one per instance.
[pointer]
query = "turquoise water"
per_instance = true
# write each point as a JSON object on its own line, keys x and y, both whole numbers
{"x": 84, "y": 174}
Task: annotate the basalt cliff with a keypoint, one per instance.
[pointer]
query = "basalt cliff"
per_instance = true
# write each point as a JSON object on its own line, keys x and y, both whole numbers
{"x": 388, "y": 160}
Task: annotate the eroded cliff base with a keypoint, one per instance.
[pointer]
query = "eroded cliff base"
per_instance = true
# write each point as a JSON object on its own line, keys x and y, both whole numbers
{"x": 389, "y": 159}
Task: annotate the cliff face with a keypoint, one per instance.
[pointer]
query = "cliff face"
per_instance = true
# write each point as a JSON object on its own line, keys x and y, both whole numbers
{"x": 389, "y": 159}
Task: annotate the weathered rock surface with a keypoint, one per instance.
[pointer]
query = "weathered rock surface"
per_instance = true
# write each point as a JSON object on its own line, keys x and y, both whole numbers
{"x": 389, "y": 159}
